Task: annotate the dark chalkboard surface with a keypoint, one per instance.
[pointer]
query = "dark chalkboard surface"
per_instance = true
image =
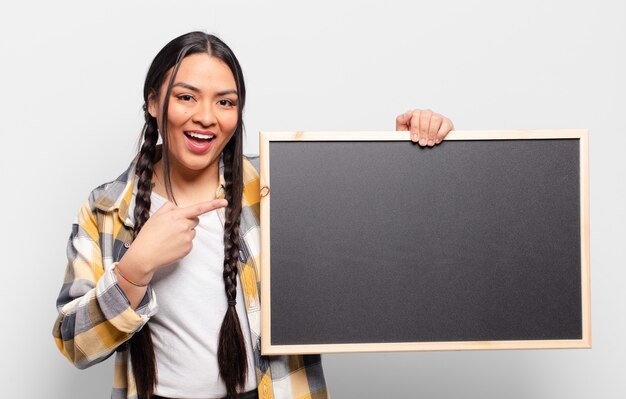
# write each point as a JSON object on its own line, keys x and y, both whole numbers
{"x": 371, "y": 243}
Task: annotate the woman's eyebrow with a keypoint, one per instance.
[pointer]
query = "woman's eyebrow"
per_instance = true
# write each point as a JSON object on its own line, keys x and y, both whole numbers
{"x": 225, "y": 92}
{"x": 195, "y": 89}
{"x": 187, "y": 86}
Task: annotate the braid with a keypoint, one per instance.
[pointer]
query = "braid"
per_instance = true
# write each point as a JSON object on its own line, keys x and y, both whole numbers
{"x": 145, "y": 169}
{"x": 141, "y": 349}
{"x": 231, "y": 233}
{"x": 231, "y": 353}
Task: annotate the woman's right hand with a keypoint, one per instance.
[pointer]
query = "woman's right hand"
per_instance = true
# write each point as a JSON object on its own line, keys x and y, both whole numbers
{"x": 165, "y": 238}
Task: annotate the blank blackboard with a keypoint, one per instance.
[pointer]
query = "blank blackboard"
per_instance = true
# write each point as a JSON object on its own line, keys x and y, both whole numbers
{"x": 372, "y": 243}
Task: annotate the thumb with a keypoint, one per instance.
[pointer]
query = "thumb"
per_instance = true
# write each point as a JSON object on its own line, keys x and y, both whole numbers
{"x": 402, "y": 121}
{"x": 200, "y": 208}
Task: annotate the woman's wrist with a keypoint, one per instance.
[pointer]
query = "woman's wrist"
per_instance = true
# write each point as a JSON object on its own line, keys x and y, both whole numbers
{"x": 137, "y": 274}
{"x": 133, "y": 284}
{"x": 119, "y": 272}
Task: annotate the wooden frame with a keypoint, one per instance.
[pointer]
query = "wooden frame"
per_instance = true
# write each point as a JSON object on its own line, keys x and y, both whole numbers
{"x": 268, "y": 349}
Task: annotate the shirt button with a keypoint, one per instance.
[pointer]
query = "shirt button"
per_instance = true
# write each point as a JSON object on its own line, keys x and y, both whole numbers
{"x": 126, "y": 245}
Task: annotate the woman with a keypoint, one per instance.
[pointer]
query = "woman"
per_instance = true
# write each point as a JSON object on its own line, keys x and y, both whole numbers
{"x": 203, "y": 343}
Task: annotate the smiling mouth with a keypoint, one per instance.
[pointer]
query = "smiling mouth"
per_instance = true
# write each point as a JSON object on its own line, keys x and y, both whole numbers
{"x": 199, "y": 137}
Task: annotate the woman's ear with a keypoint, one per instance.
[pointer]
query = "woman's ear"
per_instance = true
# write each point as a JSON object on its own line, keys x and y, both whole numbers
{"x": 152, "y": 104}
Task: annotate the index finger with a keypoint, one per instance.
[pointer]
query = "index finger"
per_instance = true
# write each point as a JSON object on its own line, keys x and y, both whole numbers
{"x": 198, "y": 209}
{"x": 402, "y": 121}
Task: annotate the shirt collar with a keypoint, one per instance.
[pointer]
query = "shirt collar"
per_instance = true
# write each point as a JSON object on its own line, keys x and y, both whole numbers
{"x": 118, "y": 194}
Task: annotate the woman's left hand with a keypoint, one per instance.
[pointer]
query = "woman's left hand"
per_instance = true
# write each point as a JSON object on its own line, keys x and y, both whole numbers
{"x": 427, "y": 127}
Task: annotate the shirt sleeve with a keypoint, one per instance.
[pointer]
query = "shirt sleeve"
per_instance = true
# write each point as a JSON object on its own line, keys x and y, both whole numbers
{"x": 295, "y": 377}
{"x": 94, "y": 315}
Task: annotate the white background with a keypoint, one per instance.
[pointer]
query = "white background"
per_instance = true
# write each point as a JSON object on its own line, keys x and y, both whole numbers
{"x": 70, "y": 113}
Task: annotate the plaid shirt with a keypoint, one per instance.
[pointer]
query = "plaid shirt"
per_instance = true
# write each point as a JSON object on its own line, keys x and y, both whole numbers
{"x": 95, "y": 318}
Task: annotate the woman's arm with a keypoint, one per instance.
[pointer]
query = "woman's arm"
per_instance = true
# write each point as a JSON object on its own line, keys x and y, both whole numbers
{"x": 95, "y": 316}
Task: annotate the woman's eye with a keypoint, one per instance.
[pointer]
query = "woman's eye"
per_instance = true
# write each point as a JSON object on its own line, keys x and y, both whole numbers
{"x": 226, "y": 103}
{"x": 185, "y": 97}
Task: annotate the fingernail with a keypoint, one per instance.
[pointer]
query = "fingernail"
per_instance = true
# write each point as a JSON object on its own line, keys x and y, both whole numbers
{"x": 423, "y": 142}
{"x": 414, "y": 137}
{"x": 431, "y": 143}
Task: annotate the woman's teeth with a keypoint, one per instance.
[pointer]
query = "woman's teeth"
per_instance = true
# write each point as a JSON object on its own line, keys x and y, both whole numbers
{"x": 200, "y": 136}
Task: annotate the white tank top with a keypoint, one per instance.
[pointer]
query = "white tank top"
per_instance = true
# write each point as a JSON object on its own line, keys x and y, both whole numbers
{"x": 192, "y": 304}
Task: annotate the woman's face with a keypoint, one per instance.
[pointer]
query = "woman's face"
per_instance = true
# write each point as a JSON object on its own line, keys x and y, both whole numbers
{"x": 202, "y": 114}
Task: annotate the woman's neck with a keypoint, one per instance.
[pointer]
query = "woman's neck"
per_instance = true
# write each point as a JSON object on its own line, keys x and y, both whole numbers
{"x": 188, "y": 186}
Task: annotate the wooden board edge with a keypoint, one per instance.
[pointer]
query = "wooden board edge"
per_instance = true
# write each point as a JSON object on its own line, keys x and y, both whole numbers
{"x": 264, "y": 177}
{"x": 404, "y": 135}
{"x": 585, "y": 237}
{"x": 425, "y": 346}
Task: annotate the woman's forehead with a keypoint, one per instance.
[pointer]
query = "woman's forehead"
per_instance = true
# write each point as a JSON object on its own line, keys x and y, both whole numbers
{"x": 204, "y": 72}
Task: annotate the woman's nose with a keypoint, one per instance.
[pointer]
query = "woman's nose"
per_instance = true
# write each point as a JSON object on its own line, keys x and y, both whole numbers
{"x": 205, "y": 114}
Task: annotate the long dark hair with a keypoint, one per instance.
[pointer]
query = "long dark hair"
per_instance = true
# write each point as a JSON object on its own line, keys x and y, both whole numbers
{"x": 232, "y": 360}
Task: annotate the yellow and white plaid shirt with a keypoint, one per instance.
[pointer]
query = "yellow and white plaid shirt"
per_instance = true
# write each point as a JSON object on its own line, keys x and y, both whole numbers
{"x": 95, "y": 318}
